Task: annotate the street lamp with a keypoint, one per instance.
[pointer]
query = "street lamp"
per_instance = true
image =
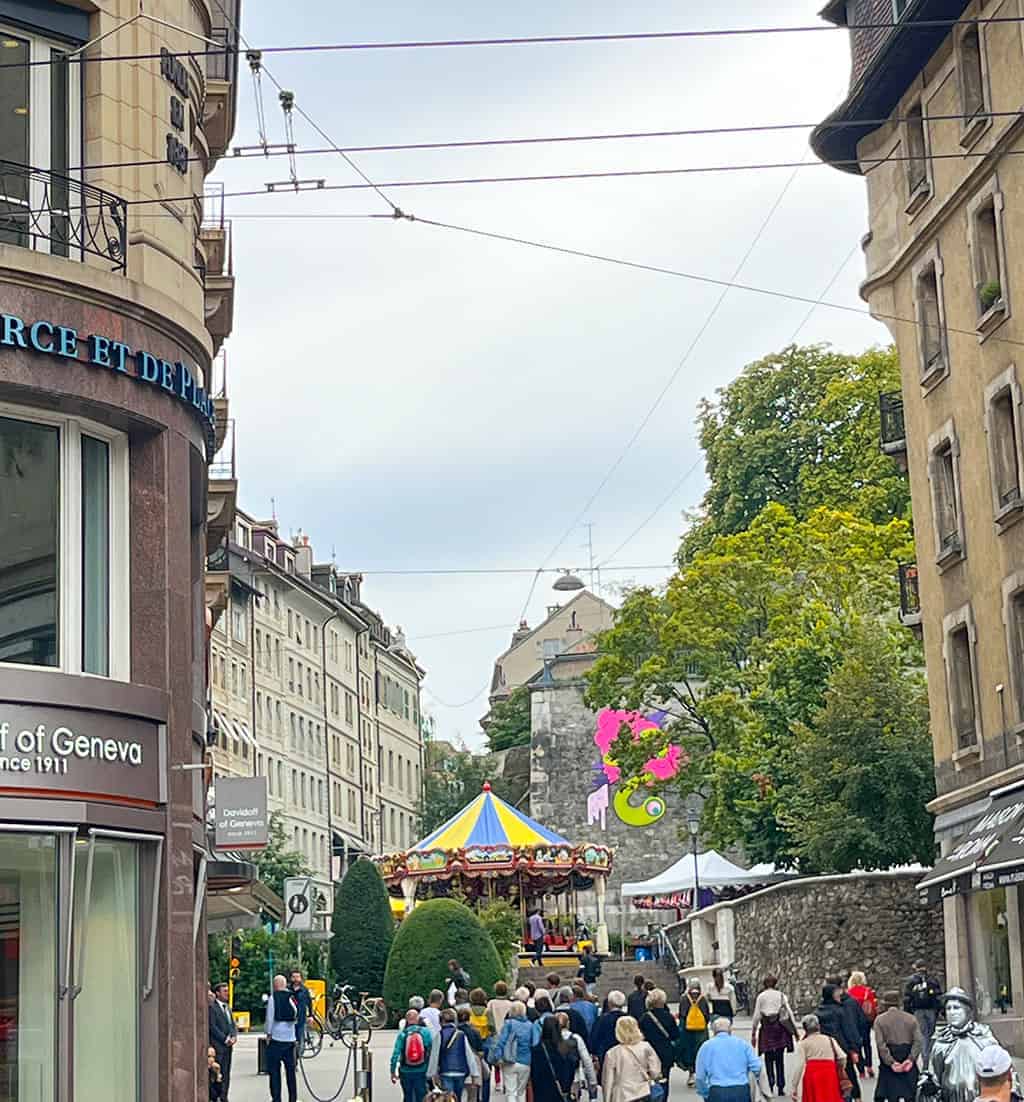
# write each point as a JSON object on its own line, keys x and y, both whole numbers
{"x": 567, "y": 583}
{"x": 693, "y": 826}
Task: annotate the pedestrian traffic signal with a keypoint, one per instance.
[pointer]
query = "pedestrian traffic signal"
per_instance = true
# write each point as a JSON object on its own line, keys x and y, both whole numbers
{"x": 235, "y": 962}
{"x": 234, "y": 973}
{"x": 236, "y": 947}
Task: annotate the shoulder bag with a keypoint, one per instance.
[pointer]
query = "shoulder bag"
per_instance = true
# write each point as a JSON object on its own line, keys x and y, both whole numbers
{"x": 658, "y": 1091}
{"x": 845, "y": 1086}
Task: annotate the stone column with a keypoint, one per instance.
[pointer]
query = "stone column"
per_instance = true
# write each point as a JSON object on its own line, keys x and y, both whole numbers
{"x": 601, "y": 933}
{"x": 958, "y": 954}
{"x": 702, "y": 934}
{"x": 725, "y": 935}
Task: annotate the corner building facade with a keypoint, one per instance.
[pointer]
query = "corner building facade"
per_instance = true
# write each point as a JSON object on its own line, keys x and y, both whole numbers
{"x": 945, "y": 272}
{"x": 113, "y": 301}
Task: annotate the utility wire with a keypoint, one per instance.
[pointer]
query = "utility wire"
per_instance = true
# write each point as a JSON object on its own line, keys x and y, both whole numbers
{"x": 497, "y": 570}
{"x": 460, "y": 631}
{"x": 536, "y": 40}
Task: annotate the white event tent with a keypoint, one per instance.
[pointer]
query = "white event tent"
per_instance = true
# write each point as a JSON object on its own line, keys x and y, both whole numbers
{"x": 713, "y": 871}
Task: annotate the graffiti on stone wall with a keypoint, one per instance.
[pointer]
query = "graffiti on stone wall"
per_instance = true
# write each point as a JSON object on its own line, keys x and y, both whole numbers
{"x": 632, "y": 801}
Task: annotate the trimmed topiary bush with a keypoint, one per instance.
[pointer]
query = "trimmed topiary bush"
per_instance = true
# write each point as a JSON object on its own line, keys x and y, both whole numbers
{"x": 432, "y": 935}
{"x": 363, "y": 929}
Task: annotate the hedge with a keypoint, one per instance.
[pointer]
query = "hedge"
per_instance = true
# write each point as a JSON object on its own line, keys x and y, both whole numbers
{"x": 363, "y": 929}
{"x": 437, "y": 931}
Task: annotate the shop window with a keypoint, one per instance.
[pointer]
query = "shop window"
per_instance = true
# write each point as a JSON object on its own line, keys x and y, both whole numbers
{"x": 918, "y": 174}
{"x": 1003, "y": 428}
{"x": 988, "y": 269}
{"x": 989, "y": 933}
{"x": 961, "y": 680}
{"x": 40, "y": 123}
{"x": 947, "y": 513}
{"x": 63, "y": 561}
{"x": 930, "y": 321}
{"x": 970, "y": 63}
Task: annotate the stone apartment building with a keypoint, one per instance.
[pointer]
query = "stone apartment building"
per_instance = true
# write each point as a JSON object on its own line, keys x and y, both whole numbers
{"x": 116, "y": 298}
{"x": 945, "y": 187}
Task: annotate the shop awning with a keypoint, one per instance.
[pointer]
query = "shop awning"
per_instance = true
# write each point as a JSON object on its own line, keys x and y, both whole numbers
{"x": 993, "y": 847}
{"x": 235, "y": 898}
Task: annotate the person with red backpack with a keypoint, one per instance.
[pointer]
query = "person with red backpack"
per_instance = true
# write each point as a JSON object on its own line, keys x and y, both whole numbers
{"x": 410, "y": 1058}
{"x": 857, "y": 988}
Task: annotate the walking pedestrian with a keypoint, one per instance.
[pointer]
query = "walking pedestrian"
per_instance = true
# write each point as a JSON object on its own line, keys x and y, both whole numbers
{"x": 282, "y": 1014}
{"x": 586, "y": 1008}
{"x": 922, "y": 997}
{"x": 537, "y": 932}
{"x": 820, "y": 1065}
{"x": 590, "y": 969}
{"x": 477, "y": 1041}
{"x": 563, "y": 1004}
{"x": 603, "y": 1037}
{"x": 631, "y": 1067}
{"x": 304, "y": 1004}
{"x": 478, "y": 1016}
{"x": 430, "y": 1015}
{"x": 223, "y": 1035}
{"x": 694, "y": 1016}
{"x": 661, "y": 1032}
{"x": 994, "y": 1069}
{"x": 725, "y": 1065}
{"x": 858, "y": 990}
{"x": 514, "y": 1050}
{"x": 899, "y": 1041}
{"x": 636, "y": 1004}
{"x": 452, "y": 1059}
{"x": 456, "y": 980}
{"x": 772, "y": 1032}
{"x": 841, "y": 1021}
{"x": 410, "y": 1058}
{"x": 498, "y": 1007}
{"x": 721, "y": 995}
{"x": 586, "y": 1076}
{"x": 554, "y": 1065}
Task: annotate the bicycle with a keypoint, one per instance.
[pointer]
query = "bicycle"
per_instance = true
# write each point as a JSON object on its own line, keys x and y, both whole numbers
{"x": 352, "y": 1025}
{"x": 741, "y": 987}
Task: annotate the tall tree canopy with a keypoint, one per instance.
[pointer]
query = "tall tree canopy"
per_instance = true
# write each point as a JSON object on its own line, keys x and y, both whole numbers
{"x": 799, "y": 428}
{"x": 363, "y": 929}
{"x": 508, "y": 723}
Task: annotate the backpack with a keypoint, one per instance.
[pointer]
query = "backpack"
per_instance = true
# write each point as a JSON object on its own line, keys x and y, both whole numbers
{"x": 478, "y": 1020}
{"x": 695, "y": 1019}
{"x": 870, "y": 1006}
{"x": 414, "y": 1052}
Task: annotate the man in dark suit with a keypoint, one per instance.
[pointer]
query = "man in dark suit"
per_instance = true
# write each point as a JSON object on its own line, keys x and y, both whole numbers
{"x": 223, "y": 1034}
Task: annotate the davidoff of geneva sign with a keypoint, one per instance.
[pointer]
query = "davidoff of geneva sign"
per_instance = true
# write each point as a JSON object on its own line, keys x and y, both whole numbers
{"x": 73, "y": 753}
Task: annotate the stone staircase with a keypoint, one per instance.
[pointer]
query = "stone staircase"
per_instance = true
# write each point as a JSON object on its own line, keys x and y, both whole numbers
{"x": 616, "y": 975}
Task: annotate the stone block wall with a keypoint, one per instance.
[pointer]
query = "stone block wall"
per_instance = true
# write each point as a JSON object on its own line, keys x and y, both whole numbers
{"x": 807, "y": 929}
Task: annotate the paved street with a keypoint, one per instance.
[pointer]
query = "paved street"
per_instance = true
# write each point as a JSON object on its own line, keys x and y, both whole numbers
{"x": 325, "y": 1074}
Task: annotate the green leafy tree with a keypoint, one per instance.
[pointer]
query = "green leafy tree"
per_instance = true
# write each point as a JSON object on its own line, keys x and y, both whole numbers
{"x": 800, "y": 428}
{"x": 504, "y": 924}
{"x": 279, "y": 861}
{"x": 363, "y": 929}
{"x": 263, "y": 955}
{"x": 437, "y": 931}
{"x": 508, "y": 723}
{"x": 452, "y": 778}
{"x": 740, "y": 651}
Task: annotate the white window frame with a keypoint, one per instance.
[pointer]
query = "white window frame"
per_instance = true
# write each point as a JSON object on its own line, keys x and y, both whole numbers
{"x": 937, "y": 443}
{"x": 973, "y": 126}
{"x": 917, "y": 196}
{"x": 962, "y": 617}
{"x": 929, "y": 377}
{"x": 1005, "y": 383}
{"x": 989, "y": 320}
{"x": 70, "y": 606}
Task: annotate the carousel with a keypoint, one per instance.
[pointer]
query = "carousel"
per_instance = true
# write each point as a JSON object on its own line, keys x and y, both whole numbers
{"x": 489, "y": 851}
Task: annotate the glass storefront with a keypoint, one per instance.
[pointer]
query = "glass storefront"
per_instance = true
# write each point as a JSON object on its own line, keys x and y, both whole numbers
{"x": 990, "y": 949}
{"x": 38, "y": 890}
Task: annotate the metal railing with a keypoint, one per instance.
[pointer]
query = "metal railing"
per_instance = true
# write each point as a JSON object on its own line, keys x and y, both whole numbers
{"x": 52, "y": 213}
{"x": 893, "y": 433}
{"x": 223, "y": 463}
{"x": 226, "y": 17}
{"x": 910, "y": 594}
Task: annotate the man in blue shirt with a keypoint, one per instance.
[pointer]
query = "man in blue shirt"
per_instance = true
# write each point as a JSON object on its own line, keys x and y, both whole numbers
{"x": 282, "y": 1015}
{"x": 725, "y": 1065}
{"x": 584, "y": 1007}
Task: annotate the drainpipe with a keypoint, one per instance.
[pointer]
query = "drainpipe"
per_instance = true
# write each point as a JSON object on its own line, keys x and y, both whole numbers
{"x": 359, "y": 713}
{"x": 327, "y": 744}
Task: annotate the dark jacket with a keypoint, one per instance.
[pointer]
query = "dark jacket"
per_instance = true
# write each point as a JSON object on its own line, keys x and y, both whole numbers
{"x": 590, "y": 967}
{"x": 220, "y": 1028}
{"x": 855, "y": 1021}
{"x": 834, "y": 1022}
{"x": 602, "y": 1036}
{"x": 577, "y": 1023}
{"x": 476, "y": 1042}
{"x": 552, "y": 1072}
{"x": 921, "y": 993}
{"x": 636, "y": 1004}
{"x": 661, "y": 1031}
{"x": 303, "y": 1003}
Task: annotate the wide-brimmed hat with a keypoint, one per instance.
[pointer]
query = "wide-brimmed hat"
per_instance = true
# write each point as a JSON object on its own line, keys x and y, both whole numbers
{"x": 957, "y": 994}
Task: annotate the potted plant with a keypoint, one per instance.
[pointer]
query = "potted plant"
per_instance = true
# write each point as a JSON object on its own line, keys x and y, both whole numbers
{"x": 989, "y": 294}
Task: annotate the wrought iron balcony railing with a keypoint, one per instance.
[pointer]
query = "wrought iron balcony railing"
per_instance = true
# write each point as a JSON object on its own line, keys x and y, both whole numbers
{"x": 910, "y": 594}
{"x": 57, "y": 214}
{"x": 894, "y": 433}
{"x": 222, "y": 465}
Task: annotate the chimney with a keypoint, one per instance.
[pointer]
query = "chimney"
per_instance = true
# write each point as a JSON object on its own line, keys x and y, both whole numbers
{"x": 303, "y": 556}
{"x": 520, "y": 633}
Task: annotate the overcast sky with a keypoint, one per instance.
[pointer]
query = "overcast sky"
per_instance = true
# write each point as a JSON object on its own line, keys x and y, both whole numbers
{"x": 416, "y": 398}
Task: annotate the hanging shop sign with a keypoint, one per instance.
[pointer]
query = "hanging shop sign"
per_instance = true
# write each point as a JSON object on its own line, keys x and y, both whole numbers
{"x": 64, "y": 342}
{"x": 240, "y": 813}
{"x": 69, "y": 753}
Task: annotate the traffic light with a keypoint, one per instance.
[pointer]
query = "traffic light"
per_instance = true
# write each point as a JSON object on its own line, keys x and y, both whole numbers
{"x": 235, "y": 971}
{"x": 236, "y": 949}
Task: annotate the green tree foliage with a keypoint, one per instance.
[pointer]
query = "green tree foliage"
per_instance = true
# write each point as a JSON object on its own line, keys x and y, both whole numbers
{"x": 279, "y": 861}
{"x": 363, "y": 929}
{"x": 800, "y": 428}
{"x": 452, "y": 778}
{"x": 263, "y": 955}
{"x": 746, "y": 650}
{"x": 504, "y": 924}
{"x": 508, "y": 723}
{"x": 437, "y": 931}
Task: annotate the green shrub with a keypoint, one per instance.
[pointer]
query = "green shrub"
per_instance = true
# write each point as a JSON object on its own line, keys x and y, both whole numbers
{"x": 437, "y": 931}
{"x": 363, "y": 929}
{"x": 503, "y": 923}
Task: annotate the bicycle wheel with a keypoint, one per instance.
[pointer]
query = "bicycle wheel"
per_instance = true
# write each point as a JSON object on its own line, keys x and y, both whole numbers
{"x": 312, "y": 1039}
{"x": 354, "y": 1030}
{"x": 376, "y": 1012}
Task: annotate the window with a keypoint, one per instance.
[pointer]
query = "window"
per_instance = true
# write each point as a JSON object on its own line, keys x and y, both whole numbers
{"x": 309, "y": 685}
{"x": 291, "y": 722}
{"x": 41, "y": 125}
{"x": 259, "y": 648}
{"x": 931, "y": 333}
{"x": 985, "y": 235}
{"x": 234, "y": 678}
{"x": 1002, "y": 425}
{"x": 408, "y": 776}
{"x": 961, "y": 679}
{"x": 943, "y": 472}
{"x": 405, "y": 703}
{"x": 972, "y": 84}
{"x": 351, "y": 806}
{"x": 280, "y": 778}
{"x": 309, "y": 635}
{"x": 350, "y": 758}
{"x": 348, "y": 656}
{"x": 238, "y": 632}
{"x": 394, "y": 835}
{"x": 291, "y": 675}
{"x": 299, "y": 680}
{"x": 391, "y": 769}
{"x": 1013, "y": 619}
{"x": 289, "y": 621}
{"x": 64, "y": 557}
{"x": 348, "y": 708}
{"x": 916, "y": 137}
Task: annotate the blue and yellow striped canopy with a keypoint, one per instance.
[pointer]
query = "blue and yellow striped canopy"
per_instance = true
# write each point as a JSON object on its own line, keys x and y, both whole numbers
{"x": 488, "y": 821}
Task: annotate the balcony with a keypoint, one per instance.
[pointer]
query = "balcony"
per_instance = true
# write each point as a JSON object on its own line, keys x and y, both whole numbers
{"x": 223, "y": 488}
{"x": 910, "y": 596}
{"x": 893, "y": 436}
{"x": 222, "y": 78}
{"x": 218, "y": 276}
{"x": 59, "y": 215}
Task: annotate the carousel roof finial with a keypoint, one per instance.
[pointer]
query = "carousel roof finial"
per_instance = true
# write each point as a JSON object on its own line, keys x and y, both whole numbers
{"x": 487, "y": 786}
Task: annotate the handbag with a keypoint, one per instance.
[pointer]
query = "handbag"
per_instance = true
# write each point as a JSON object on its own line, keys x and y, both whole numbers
{"x": 845, "y": 1085}
{"x": 658, "y": 1092}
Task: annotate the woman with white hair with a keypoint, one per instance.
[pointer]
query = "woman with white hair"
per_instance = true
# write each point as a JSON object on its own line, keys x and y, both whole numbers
{"x": 514, "y": 1050}
{"x": 631, "y": 1067}
{"x": 820, "y": 1065}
